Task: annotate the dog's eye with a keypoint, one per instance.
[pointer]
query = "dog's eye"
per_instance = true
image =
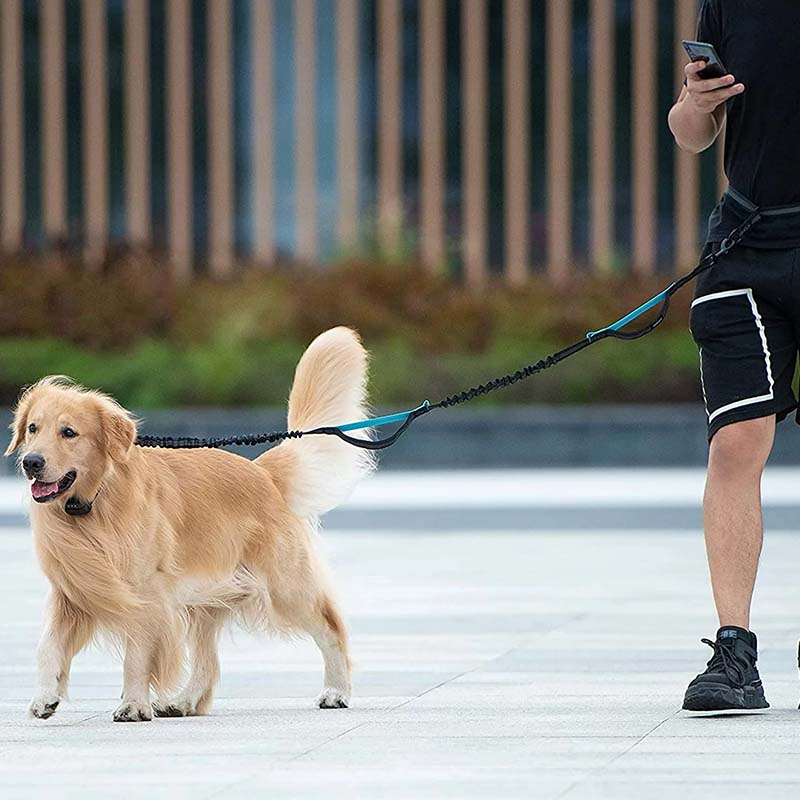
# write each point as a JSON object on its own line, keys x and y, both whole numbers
{"x": 32, "y": 428}
{"x": 68, "y": 433}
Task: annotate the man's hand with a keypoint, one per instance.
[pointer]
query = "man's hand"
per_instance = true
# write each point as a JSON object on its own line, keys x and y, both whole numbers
{"x": 706, "y": 95}
{"x": 697, "y": 118}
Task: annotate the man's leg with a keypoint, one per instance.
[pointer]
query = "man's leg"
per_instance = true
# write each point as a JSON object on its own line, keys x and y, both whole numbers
{"x": 732, "y": 514}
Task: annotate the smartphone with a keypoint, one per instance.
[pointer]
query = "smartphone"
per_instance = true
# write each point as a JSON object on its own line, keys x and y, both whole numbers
{"x": 702, "y": 51}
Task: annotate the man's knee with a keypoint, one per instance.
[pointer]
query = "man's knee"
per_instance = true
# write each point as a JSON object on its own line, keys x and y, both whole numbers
{"x": 743, "y": 446}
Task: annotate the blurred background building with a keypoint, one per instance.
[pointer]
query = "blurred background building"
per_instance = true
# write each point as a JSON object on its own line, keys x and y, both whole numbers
{"x": 485, "y": 135}
{"x": 190, "y": 190}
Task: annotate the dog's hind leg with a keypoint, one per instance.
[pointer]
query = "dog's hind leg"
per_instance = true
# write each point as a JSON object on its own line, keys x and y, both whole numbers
{"x": 331, "y": 637}
{"x": 66, "y": 633}
{"x": 205, "y": 624}
{"x": 327, "y": 628}
{"x": 300, "y": 599}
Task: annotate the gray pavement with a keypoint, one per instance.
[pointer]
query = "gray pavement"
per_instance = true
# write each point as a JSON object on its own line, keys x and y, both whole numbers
{"x": 492, "y": 664}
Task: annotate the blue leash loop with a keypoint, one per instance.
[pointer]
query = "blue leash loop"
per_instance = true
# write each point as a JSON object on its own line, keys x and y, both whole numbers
{"x": 635, "y": 314}
{"x": 406, "y": 418}
{"x": 662, "y": 298}
{"x": 379, "y": 422}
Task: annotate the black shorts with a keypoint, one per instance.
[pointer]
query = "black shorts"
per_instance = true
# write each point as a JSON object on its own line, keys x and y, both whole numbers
{"x": 745, "y": 320}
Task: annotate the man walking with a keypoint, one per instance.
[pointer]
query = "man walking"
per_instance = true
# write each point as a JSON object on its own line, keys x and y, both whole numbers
{"x": 745, "y": 317}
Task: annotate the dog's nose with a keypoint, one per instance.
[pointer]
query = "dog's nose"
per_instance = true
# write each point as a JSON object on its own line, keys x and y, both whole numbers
{"x": 33, "y": 464}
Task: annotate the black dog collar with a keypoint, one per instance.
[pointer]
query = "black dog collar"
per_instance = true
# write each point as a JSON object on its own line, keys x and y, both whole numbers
{"x": 76, "y": 507}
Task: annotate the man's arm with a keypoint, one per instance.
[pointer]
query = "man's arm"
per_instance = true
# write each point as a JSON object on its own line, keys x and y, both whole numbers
{"x": 699, "y": 113}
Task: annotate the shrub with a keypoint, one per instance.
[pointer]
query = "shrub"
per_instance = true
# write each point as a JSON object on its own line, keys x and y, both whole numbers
{"x": 129, "y": 329}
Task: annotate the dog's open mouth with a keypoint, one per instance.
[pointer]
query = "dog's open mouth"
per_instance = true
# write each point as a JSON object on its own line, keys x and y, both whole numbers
{"x": 44, "y": 492}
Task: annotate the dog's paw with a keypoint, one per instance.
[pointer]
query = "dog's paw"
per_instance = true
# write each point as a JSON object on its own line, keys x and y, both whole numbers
{"x": 177, "y": 708}
{"x": 333, "y": 698}
{"x": 44, "y": 706}
{"x": 131, "y": 711}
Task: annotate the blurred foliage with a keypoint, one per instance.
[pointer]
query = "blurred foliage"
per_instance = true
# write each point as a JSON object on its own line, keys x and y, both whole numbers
{"x": 128, "y": 329}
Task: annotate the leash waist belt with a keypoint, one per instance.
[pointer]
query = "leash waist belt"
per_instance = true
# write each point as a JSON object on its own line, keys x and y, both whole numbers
{"x": 778, "y": 229}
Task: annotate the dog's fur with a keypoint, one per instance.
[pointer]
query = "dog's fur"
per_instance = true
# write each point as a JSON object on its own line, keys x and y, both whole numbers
{"x": 180, "y": 541}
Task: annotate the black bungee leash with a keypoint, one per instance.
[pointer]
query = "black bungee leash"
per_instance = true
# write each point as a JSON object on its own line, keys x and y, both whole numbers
{"x": 406, "y": 418}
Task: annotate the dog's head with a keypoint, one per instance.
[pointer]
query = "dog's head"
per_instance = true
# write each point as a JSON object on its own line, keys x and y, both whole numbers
{"x": 68, "y": 438}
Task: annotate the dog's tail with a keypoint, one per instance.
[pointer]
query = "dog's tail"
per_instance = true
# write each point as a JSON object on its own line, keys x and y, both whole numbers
{"x": 317, "y": 473}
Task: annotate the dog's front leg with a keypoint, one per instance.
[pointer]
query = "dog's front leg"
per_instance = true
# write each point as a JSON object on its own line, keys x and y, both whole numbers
{"x": 136, "y": 705}
{"x": 67, "y": 630}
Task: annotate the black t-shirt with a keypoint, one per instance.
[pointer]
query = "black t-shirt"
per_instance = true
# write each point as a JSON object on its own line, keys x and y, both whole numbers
{"x": 759, "y": 44}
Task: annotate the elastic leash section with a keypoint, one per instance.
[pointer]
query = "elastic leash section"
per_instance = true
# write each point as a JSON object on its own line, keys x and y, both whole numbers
{"x": 194, "y": 443}
{"x": 406, "y": 418}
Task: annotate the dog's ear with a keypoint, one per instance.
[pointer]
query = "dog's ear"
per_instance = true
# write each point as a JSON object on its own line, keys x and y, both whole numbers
{"x": 20, "y": 421}
{"x": 119, "y": 431}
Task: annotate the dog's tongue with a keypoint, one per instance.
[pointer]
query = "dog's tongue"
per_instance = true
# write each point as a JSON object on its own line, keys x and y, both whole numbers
{"x": 39, "y": 489}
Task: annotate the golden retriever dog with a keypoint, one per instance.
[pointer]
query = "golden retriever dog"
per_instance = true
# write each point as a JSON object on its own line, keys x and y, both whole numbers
{"x": 160, "y": 548}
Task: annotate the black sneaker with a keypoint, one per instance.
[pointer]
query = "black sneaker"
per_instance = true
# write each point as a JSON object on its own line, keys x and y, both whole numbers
{"x": 731, "y": 681}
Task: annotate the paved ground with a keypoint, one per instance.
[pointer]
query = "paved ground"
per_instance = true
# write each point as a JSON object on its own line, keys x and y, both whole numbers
{"x": 494, "y": 664}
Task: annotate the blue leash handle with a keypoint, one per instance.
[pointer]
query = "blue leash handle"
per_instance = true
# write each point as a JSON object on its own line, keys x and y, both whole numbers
{"x": 388, "y": 419}
{"x": 637, "y": 312}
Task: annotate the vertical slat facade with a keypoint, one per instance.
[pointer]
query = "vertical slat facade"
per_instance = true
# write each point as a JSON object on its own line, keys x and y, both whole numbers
{"x": 432, "y": 168}
{"x": 390, "y": 142}
{"x": 95, "y": 129}
{"x": 559, "y": 139}
{"x": 644, "y": 167}
{"x": 179, "y": 136}
{"x": 306, "y": 129}
{"x": 12, "y": 180}
{"x": 54, "y": 120}
{"x": 517, "y": 139}
{"x": 474, "y": 156}
{"x": 137, "y": 121}
{"x": 262, "y": 42}
{"x": 602, "y": 121}
{"x": 687, "y": 175}
{"x": 473, "y": 19}
{"x": 220, "y": 139}
{"x": 348, "y": 121}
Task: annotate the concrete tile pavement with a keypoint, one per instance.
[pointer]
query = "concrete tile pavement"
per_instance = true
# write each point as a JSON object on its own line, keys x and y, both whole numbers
{"x": 488, "y": 665}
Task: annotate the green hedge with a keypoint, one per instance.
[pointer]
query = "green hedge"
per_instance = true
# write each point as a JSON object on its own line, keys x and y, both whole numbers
{"x": 151, "y": 343}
